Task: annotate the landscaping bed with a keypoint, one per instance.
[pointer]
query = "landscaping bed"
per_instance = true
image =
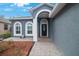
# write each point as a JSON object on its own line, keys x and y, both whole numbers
{"x": 15, "y": 48}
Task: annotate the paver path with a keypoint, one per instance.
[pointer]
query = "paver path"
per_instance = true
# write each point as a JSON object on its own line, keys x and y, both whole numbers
{"x": 44, "y": 48}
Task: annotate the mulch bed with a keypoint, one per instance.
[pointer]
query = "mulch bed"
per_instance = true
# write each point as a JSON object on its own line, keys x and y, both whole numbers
{"x": 15, "y": 48}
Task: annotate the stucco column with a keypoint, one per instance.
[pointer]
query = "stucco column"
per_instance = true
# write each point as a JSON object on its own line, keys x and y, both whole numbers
{"x": 35, "y": 29}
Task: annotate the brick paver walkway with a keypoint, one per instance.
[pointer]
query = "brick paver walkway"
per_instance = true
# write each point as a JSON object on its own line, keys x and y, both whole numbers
{"x": 44, "y": 48}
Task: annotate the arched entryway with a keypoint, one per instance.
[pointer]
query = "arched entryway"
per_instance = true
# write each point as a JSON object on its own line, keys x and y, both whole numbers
{"x": 39, "y": 22}
{"x": 42, "y": 24}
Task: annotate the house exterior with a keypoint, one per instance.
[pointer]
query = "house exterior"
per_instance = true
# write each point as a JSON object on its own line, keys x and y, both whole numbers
{"x": 65, "y": 28}
{"x": 19, "y": 25}
{"x": 4, "y": 26}
{"x": 59, "y": 22}
{"x": 26, "y": 26}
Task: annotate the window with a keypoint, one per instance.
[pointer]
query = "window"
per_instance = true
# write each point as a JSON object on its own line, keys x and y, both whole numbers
{"x": 5, "y": 26}
{"x": 29, "y": 28}
{"x": 17, "y": 29}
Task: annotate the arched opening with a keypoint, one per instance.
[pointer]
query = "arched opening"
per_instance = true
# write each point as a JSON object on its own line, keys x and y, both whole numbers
{"x": 17, "y": 29}
{"x": 42, "y": 24}
{"x": 42, "y": 14}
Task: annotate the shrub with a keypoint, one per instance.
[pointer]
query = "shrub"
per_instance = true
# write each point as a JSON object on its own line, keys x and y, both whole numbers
{"x": 6, "y": 35}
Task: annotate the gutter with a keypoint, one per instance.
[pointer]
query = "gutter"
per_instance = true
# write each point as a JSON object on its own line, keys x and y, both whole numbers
{"x": 5, "y": 21}
{"x": 56, "y": 9}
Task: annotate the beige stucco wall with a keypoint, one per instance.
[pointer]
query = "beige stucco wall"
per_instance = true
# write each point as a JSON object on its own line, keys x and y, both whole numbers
{"x": 2, "y": 31}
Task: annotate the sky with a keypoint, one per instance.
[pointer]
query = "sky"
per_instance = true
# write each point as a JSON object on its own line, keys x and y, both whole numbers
{"x": 16, "y": 9}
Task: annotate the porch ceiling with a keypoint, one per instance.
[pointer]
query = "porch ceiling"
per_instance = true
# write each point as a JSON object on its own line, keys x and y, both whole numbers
{"x": 43, "y": 15}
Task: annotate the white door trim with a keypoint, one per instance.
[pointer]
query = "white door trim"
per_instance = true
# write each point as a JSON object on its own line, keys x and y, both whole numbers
{"x": 46, "y": 22}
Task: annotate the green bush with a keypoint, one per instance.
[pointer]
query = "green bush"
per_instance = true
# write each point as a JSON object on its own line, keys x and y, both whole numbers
{"x": 6, "y": 35}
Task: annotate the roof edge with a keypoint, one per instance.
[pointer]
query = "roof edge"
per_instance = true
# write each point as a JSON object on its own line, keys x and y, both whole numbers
{"x": 5, "y": 21}
{"x": 16, "y": 18}
{"x": 56, "y": 9}
{"x": 32, "y": 9}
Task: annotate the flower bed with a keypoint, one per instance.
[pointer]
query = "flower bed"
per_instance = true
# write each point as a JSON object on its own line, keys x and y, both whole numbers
{"x": 15, "y": 48}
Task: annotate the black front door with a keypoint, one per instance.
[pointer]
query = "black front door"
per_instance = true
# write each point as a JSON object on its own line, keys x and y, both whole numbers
{"x": 44, "y": 29}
